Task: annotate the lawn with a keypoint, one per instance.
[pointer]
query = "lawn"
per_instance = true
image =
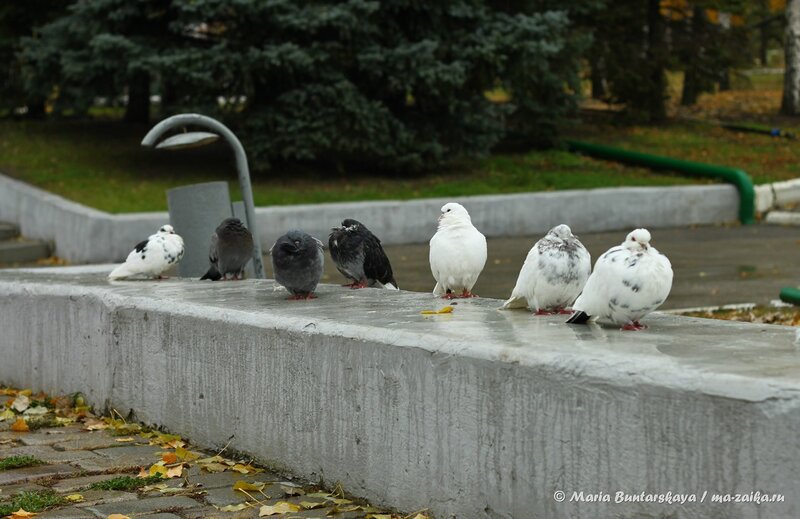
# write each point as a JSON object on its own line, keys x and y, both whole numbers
{"x": 101, "y": 164}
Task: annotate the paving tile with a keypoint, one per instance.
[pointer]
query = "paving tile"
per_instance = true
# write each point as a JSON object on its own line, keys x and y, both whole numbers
{"x": 226, "y": 479}
{"x": 9, "y": 477}
{"x": 209, "y": 512}
{"x": 47, "y": 453}
{"x": 87, "y": 441}
{"x": 66, "y": 513}
{"x": 99, "y": 497}
{"x": 140, "y": 454}
{"x": 7, "y": 491}
{"x": 70, "y": 485}
{"x": 53, "y": 436}
{"x": 162, "y": 515}
{"x": 145, "y": 505}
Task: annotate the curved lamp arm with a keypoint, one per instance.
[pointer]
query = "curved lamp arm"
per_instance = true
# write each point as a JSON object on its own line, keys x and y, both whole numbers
{"x": 158, "y": 131}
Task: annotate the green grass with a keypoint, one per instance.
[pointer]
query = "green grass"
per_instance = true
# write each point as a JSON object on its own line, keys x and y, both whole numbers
{"x": 125, "y": 483}
{"x": 31, "y": 501}
{"x": 764, "y": 158}
{"x": 102, "y": 165}
{"x": 17, "y": 462}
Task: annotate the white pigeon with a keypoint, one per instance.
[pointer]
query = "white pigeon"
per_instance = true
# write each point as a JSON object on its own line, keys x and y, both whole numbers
{"x": 458, "y": 253}
{"x": 553, "y": 275}
{"x": 629, "y": 281}
{"x": 152, "y": 256}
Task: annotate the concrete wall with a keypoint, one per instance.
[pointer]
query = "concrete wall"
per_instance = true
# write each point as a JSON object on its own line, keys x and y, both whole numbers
{"x": 84, "y": 235}
{"x": 476, "y": 414}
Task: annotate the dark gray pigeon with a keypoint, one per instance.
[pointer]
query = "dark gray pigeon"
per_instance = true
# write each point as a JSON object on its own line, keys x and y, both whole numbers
{"x": 359, "y": 256}
{"x": 231, "y": 249}
{"x": 297, "y": 261}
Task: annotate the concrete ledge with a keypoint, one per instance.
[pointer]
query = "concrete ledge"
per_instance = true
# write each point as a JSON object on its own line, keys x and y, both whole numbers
{"x": 783, "y": 218}
{"x": 479, "y": 413}
{"x": 84, "y": 235}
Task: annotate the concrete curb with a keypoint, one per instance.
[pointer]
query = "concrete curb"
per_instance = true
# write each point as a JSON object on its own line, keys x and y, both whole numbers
{"x": 777, "y": 194}
{"x": 476, "y": 414}
{"x": 783, "y": 218}
{"x": 84, "y": 235}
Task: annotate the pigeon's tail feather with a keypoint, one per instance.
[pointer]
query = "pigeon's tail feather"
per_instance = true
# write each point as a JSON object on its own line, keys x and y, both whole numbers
{"x": 438, "y": 290}
{"x": 212, "y": 274}
{"x": 579, "y": 317}
{"x": 391, "y": 285}
{"x": 515, "y": 302}
{"x": 121, "y": 271}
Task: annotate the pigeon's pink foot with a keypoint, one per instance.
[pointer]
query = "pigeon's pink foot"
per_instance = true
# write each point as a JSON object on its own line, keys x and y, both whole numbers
{"x": 350, "y": 285}
{"x": 357, "y": 285}
{"x": 466, "y": 294}
{"x": 449, "y": 295}
{"x": 310, "y": 295}
{"x": 634, "y": 326}
{"x": 302, "y": 297}
{"x": 542, "y": 312}
{"x": 566, "y": 311}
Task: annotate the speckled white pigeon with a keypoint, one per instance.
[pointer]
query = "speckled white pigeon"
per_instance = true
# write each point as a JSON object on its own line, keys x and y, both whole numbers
{"x": 629, "y": 281}
{"x": 153, "y": 256}
{"x": 553, "y": 275}
{"x": 457, "y": 254}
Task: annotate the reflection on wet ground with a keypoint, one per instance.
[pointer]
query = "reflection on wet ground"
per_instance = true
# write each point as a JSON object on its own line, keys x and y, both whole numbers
{"x": 713, "y": 265}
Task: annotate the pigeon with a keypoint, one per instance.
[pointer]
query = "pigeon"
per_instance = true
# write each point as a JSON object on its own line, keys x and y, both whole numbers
{"x": 152, "y": 256}
{"x": 297, "y": 261}
{"x": 231, "y": 249}
{"x": 553, "y": 275}
{"x": 629, "y": 281}
{"x": 359, "y": 256}
{"x": 457, "y": 254}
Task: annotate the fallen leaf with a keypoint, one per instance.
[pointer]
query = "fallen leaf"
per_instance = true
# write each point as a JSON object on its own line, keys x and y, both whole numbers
{"x": 118, "y": 516}
{"x": 379, "y": 516}
{"x": 95, "y": 425}
{"x": 214, "y": 467}
{"x": 245, "y": 469}
{"x": 320, "y": 494}
{"x": 159, "y": 470}
{"x": 8, "y": 414}
{"x": 26, "y": 392}
{"x": 443, "y": 310}
{"x": 157, "y": 486}
{"x": 175, "y": 444}
{"x": 281, "y": 507}
{"x": 20, "y": 403}
{"x": 292, "y": 491}
{"x": 169, "y": 457}
{"x": 36, "y": 411}
{"x": 420, "y": 516}
{"x": 124, "y": 440}
{"x": 339, "y": 501}
{"x": 212, "y": 459}
{"x": 186, "y": 455}
{"x": 310, "y": 505}
{"x": 74, "y": 498}
{"x": 21, "y": 513}
{"x": 175, "y": 472}
{"x": 255, "y": 486}
{"x": 234, "y": 508}
{"x": 20, "y": 426}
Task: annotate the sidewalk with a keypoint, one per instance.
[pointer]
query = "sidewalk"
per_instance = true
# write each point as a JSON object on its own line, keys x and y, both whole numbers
{"x": 93, "y": 474}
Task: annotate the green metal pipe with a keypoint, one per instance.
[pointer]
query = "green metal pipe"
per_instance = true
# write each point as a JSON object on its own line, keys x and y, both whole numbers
{"x": 737, "y": 177}
{"x": 790, "y": 295}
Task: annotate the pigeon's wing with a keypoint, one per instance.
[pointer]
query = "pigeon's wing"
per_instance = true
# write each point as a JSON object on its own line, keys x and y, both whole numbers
{"x": 376, "y": 263}
{"x": 144, "y": 259}
{"x": 438, "y": 261}
{"x": 607, "y": 273}
{"x": 526, "y": 281}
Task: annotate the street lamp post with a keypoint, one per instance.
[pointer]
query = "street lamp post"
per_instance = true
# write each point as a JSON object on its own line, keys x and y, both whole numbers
{"x": 194, "y": 139}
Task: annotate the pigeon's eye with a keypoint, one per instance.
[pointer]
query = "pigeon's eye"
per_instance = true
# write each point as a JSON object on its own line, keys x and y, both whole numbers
{"x": 633, "y": 238}
{"x": 448, "y": 210}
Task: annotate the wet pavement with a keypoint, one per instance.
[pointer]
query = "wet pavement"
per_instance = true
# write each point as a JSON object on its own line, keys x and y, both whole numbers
{"x": 713, "y": 265}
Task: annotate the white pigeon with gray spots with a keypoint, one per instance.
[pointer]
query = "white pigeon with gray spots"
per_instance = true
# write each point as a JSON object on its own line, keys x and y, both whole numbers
{"x": 458, "y": 253}
{"x": 629, "y": 281}
{"x": 553, "y": 274}
{"x": 152, "y": 257}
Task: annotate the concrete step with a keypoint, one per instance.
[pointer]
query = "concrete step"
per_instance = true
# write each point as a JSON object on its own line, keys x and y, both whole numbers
{"x": 16, "y": 251}
{"x": 8, "y": 231}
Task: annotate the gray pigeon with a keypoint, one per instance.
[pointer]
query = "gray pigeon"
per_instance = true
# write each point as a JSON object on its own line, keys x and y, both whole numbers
{"x": 359, "y": 256}
{"x": 297, "y": 261}
{"x": 231, "y": 249}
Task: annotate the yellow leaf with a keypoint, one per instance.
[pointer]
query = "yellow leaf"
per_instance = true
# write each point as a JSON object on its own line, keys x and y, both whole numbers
{"x": 255, "y": 486}
{"x": 310, "y": 505}
{"x": 20, "y": 426}
{"x": 8, "y": 414}
{"x": 443, "y": 310}
{"x": 212, "y": 459}
{"x": 169, "y": 457}
{"x": 234, "y": 508}
{"x": 26, "y": 392}
{"x": 158, "y": 486}
{"x": 95, "y": 425}
{"x": 175, "y": 472}
{"x": 75, "y": 498}
{"x": 292, "y": 491}
{"x": 245, "y": 469}
{"x": 186, "y": 455}
{"x": 124, "y": 440}
{"x": 339, "y": 501}
{"x": 420, "y": 516}
{"x": 21, "y": 514}
{"x": 118, "y": 516}
{"x": 157, "y": 469}
{"x": 379, "y": 516}
{"x": 281, "y": 507}
{"x": 214, "y": 467}
{"x": 320, "y": 494}
{"x": 175, "y": 444}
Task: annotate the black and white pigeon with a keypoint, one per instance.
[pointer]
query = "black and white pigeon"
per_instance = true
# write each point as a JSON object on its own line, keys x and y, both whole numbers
{"x": 153, "y": 256}
{"x": 458, "y": 253}
{"x": 629, "y": 281}
{"x": 359, "y": 256}
{"x": 231, "y": 249}
{"x": 553, "y": 274}
{"x": 297, "y": 261}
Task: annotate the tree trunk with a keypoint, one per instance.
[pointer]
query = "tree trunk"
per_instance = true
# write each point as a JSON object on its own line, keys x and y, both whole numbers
{"x": 791, "y": 78}
{"x": 138, "y": 109}
{"x": 598, "y": 77}
{"x": 692, "y": 83}
{"x": 656, "y": 106}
